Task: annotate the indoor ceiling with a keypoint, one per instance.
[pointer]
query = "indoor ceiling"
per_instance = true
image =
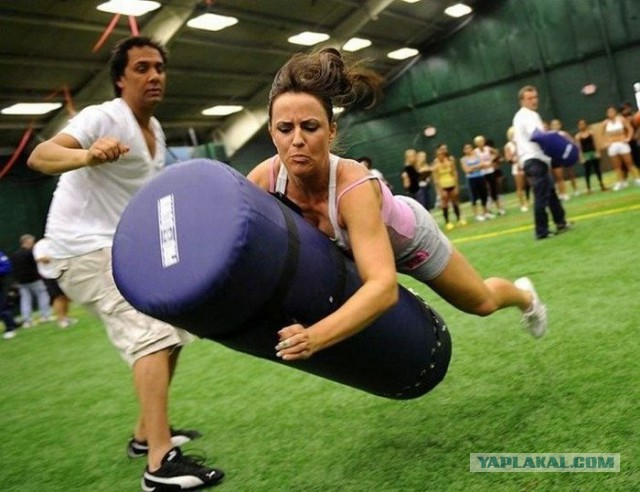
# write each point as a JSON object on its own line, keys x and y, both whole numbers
{"x": 47, "y": 54}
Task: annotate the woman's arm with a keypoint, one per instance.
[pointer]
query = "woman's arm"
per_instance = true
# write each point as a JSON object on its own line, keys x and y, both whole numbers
{"x": 64, "y": 153}
{"x": 360, "y": 212}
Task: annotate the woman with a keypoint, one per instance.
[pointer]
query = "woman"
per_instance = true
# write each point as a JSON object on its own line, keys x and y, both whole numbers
{"x": 472, "y": 167}
{"x": 616, "y": 132}
{"x": 488, "y": 155}
{"x": 445, "y": 176}
{"x": 345, "y": 202}
{"x": 589, "y": 155}
{"x": 517, "y": 171}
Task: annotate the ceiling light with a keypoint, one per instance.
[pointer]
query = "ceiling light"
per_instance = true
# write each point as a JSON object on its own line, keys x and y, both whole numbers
{"x": 129, "y": 7}
{"x": 457, "y": 10}
{"x": 31, "y": 108}
{"x": 222, "y": 110}
{"x": 212, "y": 22}
{"x": 355, "y": 44}
{"x": 403, "y": 53}
{"x": 308, "y": 38}
{"x": 338, "y": 109}
{"x": 411, "y": 1}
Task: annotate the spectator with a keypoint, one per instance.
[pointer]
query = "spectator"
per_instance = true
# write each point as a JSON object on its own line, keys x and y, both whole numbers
{"x": 517, "y": 171}
{"x": 487, "y": 157}
{"x": 616, "y": 133}
{"x": 472, "y": 167}
{"x": 59, "y": 301}
{"x": 426, "y": 194}
{"x": 410, "y": 175}
{"x": 589, "y": 155}
{"x": 6, "y": 304}
{"x": 25, "y": 272}
{"x": 445, "y": 175}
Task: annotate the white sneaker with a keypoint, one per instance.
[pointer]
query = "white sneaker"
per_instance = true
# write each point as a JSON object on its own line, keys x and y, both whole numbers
{"x": 27, "y": 324}
{"x": 67, "y": 322}
{"x": 618, "y": 186}
{"x": 637, "y": 182}
{"x": 524, "y": 208}
{"x": 489, "y": 216}
{"x": 480, "y": 218}
{"x": 534, "y": 319}
{"x": 8, "y": 335}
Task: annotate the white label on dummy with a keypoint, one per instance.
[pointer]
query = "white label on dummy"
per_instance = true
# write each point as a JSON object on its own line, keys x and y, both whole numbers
{"x": 168, "y": 234}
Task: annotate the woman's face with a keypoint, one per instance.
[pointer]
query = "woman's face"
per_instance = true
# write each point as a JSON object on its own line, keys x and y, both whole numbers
{"x": 582, "y": 125}
{"x": 467, "y": 149}
{"x": 301, "y": 132}
{"x": 612, "y": 112}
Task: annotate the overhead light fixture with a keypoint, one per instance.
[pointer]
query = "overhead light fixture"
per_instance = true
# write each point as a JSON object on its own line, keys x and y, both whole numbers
{"x": 133, "y": 8}
{"x": 410, "y": 1}
{"x": 355, "y": 44}
{"x": 338, "y": 109}
{"x": 430, "y": 131}
{"x": 403, "y": 53}
{"x": 589, "y": 89}
{"x": 458, "y": 10}
{"x": 30, "y": 108}
{"x": 212, "y": 22}
{"x": 308, "y": 38}
{"x": 222, "y": 110}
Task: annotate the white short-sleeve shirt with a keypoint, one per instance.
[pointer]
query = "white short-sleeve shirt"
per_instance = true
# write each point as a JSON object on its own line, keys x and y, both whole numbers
{"x": 88, "y": 202}
{"x": 525, "y": 122}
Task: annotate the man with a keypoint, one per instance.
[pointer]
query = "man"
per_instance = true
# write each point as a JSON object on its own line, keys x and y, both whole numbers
{"x": 105, "y": 154}
{"x": 537, "y": 165}
{"x": 25, "y": 272}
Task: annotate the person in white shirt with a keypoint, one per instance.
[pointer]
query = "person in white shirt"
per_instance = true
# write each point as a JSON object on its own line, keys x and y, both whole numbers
{"x": 104, "y": 155}
{"x": 537, "y": 165}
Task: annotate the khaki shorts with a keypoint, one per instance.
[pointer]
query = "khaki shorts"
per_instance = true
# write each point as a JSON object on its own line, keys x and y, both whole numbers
{"x": 88, "y": 280}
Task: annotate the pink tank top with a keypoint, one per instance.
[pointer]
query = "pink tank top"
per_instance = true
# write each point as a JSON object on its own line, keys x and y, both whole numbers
{"x": 396, "y": 214}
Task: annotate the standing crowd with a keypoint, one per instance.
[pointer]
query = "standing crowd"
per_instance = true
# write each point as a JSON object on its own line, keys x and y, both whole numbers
{"x": 438, "y": 184}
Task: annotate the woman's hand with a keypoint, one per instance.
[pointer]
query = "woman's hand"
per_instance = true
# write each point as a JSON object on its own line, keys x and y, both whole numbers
{"x": 296, "y": 342}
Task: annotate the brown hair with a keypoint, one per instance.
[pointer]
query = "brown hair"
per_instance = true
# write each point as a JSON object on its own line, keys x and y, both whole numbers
{"x": 329, "y": 78}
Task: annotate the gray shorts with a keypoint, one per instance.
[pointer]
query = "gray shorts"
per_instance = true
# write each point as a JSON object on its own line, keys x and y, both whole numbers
{"x": 88, "y": 280}
{"x": 429, "y": 252}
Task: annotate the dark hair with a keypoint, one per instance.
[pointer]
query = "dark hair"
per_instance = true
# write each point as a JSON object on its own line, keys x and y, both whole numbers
{"x": 326, "y": 76}
{"x": 366, "y": 159}
{"x": 120, "y": 57}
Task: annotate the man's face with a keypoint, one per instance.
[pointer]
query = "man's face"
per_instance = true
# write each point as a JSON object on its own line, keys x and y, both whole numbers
{"x": 530, "y": 100}
{"x": 143, "y": 81}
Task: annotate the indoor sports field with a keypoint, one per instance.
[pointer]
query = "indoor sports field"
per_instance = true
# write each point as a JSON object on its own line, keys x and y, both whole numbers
{"x": 67, "y": 401}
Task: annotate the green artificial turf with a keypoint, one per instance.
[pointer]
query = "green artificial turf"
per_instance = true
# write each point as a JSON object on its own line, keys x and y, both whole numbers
{"x": 67, "y": 405}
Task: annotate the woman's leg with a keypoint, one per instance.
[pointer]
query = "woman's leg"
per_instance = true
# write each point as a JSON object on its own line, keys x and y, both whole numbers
{"x": 587, "y": 174}
{"x": 461, "y": 286}
{"x": 627, "y": 161}
{"x": 558, "y": 177}
{"x": 616, "y": 162}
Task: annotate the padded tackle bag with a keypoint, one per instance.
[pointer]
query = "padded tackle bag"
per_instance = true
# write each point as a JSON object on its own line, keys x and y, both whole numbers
{"x": 555, "y": 145}
{"x": 204, "y": 249}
